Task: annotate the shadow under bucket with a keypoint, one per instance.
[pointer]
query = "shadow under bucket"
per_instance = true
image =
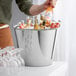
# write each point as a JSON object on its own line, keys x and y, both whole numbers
{"x": 38, "y": 46}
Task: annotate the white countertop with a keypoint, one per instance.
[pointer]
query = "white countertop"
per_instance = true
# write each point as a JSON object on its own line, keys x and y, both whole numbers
{"x": 56, "y": 69}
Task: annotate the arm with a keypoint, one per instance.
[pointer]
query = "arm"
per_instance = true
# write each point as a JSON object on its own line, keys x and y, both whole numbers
{"x": 28, "y": 8}
{"x": 37, "y": 9}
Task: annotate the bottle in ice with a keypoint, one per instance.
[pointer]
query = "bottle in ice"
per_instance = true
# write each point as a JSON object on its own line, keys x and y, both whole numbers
{"x": 36, "y": 25}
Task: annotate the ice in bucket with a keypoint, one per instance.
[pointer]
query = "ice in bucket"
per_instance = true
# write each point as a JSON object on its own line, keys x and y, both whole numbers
{"x": 44, "y": 23}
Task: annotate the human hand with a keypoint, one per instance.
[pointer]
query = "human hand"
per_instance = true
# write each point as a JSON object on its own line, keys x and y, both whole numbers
{"x": 49, "y": 3}
{"x": 48, "y": 6}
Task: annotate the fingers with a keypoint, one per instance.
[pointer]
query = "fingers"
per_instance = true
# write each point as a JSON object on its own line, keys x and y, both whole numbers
{"x": 49, "y": 3}
{"x": 52, "y": 3}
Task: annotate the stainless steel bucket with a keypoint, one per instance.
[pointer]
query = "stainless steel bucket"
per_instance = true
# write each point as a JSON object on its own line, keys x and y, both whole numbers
{"x": 38, "y": 46}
